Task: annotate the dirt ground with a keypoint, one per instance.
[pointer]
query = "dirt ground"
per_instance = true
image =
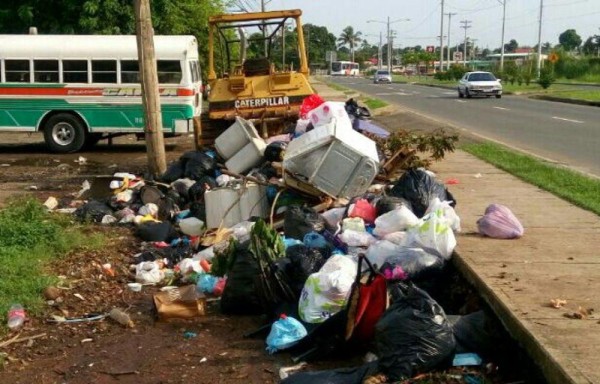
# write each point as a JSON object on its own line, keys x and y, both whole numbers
{"x": 104, "y": 351}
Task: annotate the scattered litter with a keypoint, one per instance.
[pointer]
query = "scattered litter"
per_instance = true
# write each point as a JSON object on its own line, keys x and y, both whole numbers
{"x": 478, "y": 175}
{"x": 87, "y": 341}
{"x": 203, "y": 360}
{"x": 51, "y": 203}
{"x": 189, "y": 335}
{"x": 4, "y": 165}
{"x": 284, "y": 372}
{"x": 81, "y": 160}
{"x": 77, "y": 295}
{"x": 580, "y": 314}
{"x": 558, "y": 303}
{"x": 32, "y": 188}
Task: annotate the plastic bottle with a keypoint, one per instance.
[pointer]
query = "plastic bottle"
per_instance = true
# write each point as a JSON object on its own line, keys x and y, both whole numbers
{"x": 120, "y": 317}
{"x": 16, "y": 317}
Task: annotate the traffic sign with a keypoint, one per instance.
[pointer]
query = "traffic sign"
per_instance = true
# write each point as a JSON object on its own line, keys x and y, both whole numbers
{"x": 553, "y": 58}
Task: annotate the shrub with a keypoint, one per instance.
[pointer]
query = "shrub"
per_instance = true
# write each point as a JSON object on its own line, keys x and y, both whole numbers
{"x": 546, "y": 77}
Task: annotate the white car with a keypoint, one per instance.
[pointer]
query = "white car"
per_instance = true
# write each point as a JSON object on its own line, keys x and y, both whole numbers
{"x": 479, "y": 84}
{"x": 382, "y": 76}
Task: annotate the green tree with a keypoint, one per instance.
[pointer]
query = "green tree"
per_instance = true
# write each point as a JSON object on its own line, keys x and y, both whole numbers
{"x": 592, "y": 45}
{"x": 569, "y": 39}
{"x": 172, "y": 17}
{"x": 318, "y": 41}
{"x": 511, "y": 46}
{"x": 349, "y": 38}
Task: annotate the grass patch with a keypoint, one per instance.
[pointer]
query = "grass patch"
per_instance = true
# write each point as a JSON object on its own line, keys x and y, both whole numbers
{"x": 30, "y": 239}
{"x": 337, "y": 87}
{"x": 589, "y": 95}
{"x": 374, "y": 103}
{"x": 574, "y": 187}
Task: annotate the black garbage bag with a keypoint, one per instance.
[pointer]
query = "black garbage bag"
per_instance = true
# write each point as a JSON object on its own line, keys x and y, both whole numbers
{"x": 93, "y": 210}
{"x": 178, "y": 252}
{"x": 415, "y": 262}
{"x": 389, "y": 203}
{"x": 196, "y": 191}
{"x": 302, "y": 262}
{"x": 299, "y": 221}
{"x": 475, "y": 332}
{"x": 275, "y": 151}
{"x": 241, "y": 295}
{"x": 167, "y": 208}
{"x": 198, "y": 164}
{"x": 198, "y": 210}
{"x": 266, "y": 172}
{"x": 356, "y": 111}
{"x": 153, "y": 231}
{"x": 419, "y": 188}
{"x": 354, "y": 375}
{"x": 413, "y": 336}
{"x": 174, "y": 171}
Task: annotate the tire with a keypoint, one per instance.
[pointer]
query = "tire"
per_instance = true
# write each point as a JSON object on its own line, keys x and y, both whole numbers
{"x": 64, "y": 133}
{"x": 467, "y": 93}
{"x": 498, "y": 96}
{"x": 460, "y": 94}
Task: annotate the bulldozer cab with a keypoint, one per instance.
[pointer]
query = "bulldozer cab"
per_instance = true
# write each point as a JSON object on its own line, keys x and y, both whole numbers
{"x": 262, "y": 73}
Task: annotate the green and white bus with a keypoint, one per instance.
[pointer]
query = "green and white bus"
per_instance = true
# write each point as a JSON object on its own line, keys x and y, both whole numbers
{"x": 77, "y": 89}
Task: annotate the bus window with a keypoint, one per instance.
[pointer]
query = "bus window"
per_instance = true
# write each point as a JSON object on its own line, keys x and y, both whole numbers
{"x": 194, "y": 71}
{"x": 104, "y": 71}
{"x": 130, "y": 71}
{"x": 17, "y": 71}
{"x": 45, "y": 71}
{"x": 169, "y": 71}
{"x": 75, "y": 71}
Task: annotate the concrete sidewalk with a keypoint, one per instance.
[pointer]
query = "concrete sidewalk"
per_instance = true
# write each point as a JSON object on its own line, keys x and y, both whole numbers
{"x": 558, "y": 257}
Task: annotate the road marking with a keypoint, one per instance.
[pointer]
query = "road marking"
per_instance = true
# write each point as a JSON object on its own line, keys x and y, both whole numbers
{"x": 384, "y": 94}
{"x": 569, "y": 120}
{"x": 448, "y": 93}
{"x": 403, "y": 94}
{"x": 460, "y": 101}
{"x": 502, "y": 108}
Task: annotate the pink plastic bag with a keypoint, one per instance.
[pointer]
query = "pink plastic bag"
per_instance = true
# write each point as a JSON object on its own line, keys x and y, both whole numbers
{"x": 309, "y": 103}
{"x": 500, "y": 223}
{"x": 364, "y": 210}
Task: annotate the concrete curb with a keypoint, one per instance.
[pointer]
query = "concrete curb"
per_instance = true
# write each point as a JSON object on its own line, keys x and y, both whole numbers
{"x": 564, "y": 100}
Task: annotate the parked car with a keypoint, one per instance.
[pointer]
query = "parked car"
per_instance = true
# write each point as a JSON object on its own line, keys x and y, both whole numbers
{"x": 479, "y": 84}
{"x": 382, "y": 76}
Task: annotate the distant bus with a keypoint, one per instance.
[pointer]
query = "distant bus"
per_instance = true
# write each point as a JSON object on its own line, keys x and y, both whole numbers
{"x": 79, "y": 89}
{"x": 344, "y": 68}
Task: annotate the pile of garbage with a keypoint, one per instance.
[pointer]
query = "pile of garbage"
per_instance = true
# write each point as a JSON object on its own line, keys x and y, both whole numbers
{"x": 292, "y": 227}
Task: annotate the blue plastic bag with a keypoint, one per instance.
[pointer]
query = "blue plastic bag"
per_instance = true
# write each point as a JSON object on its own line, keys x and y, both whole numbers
{"x": 315, "y": 240}
{"x": 285, "y": 332}
{"x": 206, "y": 283}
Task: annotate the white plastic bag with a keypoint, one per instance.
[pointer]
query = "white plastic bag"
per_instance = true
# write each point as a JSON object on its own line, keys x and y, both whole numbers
{"x": 148, "y": 272}
{"x": 357, "y": 239}
{"x": 326, "y": 292}
{"x": 447, "y": 211}
{"x": 354, "y": 224}
{"x": 434, "y": 235}
{"x": 329, "y": 111}
{"x": 148, "y": 209}
{"x": 334, "y": 216}
{"x": 399, "y": 219}
{"x": 381, "y": 251}
{"x": 398, "y": 238}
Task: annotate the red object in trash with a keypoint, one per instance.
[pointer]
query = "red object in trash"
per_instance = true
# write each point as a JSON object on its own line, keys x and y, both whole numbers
{"x": 452, "y": 181}
{"x": 219, "y": 287}
{"x": 205, "y": 265}
{"x": 364, "y": 210}
{"x": 309, "y": 103}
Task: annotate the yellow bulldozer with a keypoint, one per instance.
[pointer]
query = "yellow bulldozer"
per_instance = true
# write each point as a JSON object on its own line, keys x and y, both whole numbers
{"x": 251, "y": 82}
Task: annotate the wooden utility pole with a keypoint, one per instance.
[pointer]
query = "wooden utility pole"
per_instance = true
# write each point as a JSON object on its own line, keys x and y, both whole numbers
{"x": 155, "y": 145}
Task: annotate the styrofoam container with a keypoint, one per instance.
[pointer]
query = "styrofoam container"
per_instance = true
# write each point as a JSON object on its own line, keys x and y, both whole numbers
{"x": 248, "y": 157}
{"x": 235, "y": 138}
{"x": 334, "y": 159}
{"x": 232, "y": 205}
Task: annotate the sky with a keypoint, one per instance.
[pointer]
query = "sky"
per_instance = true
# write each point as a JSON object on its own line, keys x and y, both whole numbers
{"x": 423, "y": 28}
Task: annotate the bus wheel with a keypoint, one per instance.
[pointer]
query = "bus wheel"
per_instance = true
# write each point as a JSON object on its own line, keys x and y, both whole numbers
{"x": 64, "y": 133}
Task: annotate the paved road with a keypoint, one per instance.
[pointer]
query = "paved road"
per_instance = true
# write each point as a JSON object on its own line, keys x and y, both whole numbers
{"x": 564, "y": 133}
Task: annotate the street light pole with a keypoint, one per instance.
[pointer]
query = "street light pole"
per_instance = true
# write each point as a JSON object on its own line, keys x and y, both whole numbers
{"x": 539, "y": 58}
{"x": 389, "y": 38}
{"x": 503, "y": 2}
{"x": 442, "y": 38}
{"x": 449, "y": 22}
{"x": 379, "y": 53}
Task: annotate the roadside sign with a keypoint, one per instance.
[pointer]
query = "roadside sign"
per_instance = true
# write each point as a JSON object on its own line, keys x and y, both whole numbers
{"x": 430, "y": 48}
{"x": 553, "y": 58}
{"x": 458, "y": 56}
{"x": 330, "y": 56}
